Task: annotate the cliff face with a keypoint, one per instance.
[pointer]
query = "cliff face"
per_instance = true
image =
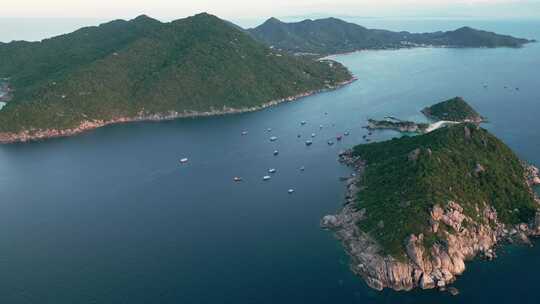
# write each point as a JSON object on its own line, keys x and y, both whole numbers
{"x": 426, "y": 265}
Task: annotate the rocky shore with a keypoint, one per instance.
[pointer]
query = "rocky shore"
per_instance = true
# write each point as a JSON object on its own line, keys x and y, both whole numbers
{"x": 397, "y": 125}
{"x": 42, "y": 134}
{"x": 425, "y": 267}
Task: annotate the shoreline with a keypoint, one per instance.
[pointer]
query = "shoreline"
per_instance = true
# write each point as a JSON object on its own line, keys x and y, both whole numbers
{"x": 425, "y": 268}
{"x": 85, "y": 126}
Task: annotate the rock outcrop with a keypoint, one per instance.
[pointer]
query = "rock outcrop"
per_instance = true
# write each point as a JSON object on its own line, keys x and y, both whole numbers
{"x": 424, "y": 265}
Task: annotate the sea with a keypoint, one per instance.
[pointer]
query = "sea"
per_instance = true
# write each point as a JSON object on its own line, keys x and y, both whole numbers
{"x": 111, "y": 216}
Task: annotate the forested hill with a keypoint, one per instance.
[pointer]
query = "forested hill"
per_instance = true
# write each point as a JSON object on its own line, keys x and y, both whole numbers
{"x": 123, "y": 68}
{"x": 332, "y": 35}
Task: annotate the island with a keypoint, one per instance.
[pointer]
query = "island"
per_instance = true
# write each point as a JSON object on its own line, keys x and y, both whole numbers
{"x": 144, "y": 69}
{"x": 418, "y": 208}
{"x": 455, "y": 109}
{"x": 328, "y": 36}
{"x": 442, "y": 114}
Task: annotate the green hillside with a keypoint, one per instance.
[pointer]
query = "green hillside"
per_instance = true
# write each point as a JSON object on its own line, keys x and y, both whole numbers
{"x": 332, "y": 35}
{"x": 121, "y": 68}
{"x": 455, "y": 109}
{"x": 405, "y": 177}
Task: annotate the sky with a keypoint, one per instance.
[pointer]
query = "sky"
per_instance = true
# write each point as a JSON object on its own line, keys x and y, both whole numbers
{"x": 244, "y": 9}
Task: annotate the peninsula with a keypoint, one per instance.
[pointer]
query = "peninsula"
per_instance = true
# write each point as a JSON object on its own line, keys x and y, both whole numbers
{"x": 420, "y": 207}
{"x": 334, "y": 36}
{"x": 143, "y": 69}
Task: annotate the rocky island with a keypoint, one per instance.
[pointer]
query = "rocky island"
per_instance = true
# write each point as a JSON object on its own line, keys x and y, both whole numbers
{"x": 144, "y": 69}
{"x": 420, "y": 207}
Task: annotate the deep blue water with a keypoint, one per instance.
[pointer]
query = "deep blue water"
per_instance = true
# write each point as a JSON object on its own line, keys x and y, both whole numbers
{"x": 110, "y": 216}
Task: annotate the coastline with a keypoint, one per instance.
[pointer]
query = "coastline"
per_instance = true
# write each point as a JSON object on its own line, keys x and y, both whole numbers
{"x": 425, "y": 268}
{"x": 85, "y": 126}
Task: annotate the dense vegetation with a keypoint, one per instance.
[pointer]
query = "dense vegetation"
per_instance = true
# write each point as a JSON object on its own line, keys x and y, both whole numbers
{"x": 455, "y": 109}
{"x": 401, "y": 184}
{"x": 331, "y": 36}
{"x": 121, "y": 68}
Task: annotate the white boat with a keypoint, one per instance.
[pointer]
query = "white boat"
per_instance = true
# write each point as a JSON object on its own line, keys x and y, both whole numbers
{"x": 266, "y": 177}
{"x": 313, "y": 134}
{"x": 273, "y": 138}
{"x": 276, "y": 152}
{"x": 291, "y": 191}
{"x": 272, "y": 170}
{"x": 183, "y": 160}
{"x": 269, "y": 130}
{"x": 237, "y": 179}
{"x": 244, "y": 132}
{"x": 309, "y": 142}
{"x": 302, "y": 168}
{"x": 346, "y": 133}
{"x": 303, "y": 122}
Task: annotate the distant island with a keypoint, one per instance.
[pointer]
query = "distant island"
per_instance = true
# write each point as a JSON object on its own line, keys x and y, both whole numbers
{"x": 448, "y": 112}
{"x": 144, "y": 69}
{"x": 419, "y": 207}
{"x": 334, "y": 36}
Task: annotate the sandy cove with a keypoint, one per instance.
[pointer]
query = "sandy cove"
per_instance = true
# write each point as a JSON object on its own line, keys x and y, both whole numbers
{"x": 42, "y": 134}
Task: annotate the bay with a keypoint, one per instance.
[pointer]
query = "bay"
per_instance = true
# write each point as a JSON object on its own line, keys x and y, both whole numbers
{"x": 112, "y": 217}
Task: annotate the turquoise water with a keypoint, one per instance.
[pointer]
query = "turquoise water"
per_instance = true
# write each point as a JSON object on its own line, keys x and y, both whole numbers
{"x": 111, "y": 217}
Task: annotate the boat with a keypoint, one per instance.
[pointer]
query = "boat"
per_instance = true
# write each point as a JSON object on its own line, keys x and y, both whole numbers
{"x": 302, "y": 168}
{"x": 303, "y": 122}
{"x": 273, "y": 138}
{"x": 330, "y": 142}
{"x": 269, "y": 130}
{"x": 313, "y": 134}
{"x": 291, "y": 191}
{"x": 276, "y": 152}
{"x": 320, "y": 127}
{"x": 346, "y": 133}
{"x": 272, "y": 170}
{"x": 266, "y": 177}
{"x": 183, "y": 160}
{"x": 237, "y": 179}
{"x": 309, "y": 142}
{"x": 244, "y": 132}
{"x": 339, "y": 137}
